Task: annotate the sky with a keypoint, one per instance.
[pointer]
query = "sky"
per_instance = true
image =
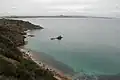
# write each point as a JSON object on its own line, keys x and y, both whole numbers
{"x": 58, "y": 7}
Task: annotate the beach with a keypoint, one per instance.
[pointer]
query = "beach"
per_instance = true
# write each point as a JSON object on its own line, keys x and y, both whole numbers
{"x": 36, "y": 58}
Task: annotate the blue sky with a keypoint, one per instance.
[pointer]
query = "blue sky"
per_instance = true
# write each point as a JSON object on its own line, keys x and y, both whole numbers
{"x": 57, "y": 7}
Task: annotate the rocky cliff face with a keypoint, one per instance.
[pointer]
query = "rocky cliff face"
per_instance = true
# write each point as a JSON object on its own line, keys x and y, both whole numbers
{"x": 13, "y": 65}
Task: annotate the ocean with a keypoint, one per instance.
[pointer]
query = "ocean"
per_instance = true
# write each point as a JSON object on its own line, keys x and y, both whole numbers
{"x": 90, "y": 45}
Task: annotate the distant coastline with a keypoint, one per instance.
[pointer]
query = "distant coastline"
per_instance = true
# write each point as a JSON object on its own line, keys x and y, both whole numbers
{"x": 61, "y": 16}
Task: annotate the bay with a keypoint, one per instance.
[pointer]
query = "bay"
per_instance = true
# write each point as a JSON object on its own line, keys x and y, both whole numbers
{"x": 91, "y": 45}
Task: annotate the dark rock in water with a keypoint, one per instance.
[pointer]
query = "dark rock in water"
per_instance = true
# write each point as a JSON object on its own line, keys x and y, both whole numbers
{"x": 31, "y": 35}
{"x": 59, "y": 38}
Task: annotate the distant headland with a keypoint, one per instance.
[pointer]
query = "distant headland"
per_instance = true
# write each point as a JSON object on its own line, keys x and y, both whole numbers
{"x": 58, "y": 16}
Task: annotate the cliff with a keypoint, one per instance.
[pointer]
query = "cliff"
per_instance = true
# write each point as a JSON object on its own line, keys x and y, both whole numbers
{"x": 13, "y": 64}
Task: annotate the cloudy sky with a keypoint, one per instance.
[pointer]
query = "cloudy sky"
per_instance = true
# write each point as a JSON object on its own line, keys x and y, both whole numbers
{"x": 57, "y": 7}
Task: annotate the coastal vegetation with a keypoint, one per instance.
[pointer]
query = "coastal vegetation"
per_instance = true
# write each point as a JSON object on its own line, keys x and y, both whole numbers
{"x": 13, "y": 64}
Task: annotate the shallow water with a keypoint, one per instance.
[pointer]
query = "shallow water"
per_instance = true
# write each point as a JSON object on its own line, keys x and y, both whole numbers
{"x": 91, "y": 45}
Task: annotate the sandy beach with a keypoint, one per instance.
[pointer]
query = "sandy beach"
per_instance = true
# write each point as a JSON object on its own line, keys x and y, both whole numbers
{"x": 33, "y": 55}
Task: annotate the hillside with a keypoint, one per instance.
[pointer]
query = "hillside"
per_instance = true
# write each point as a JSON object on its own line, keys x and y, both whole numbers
{"x": 13, "y": 64}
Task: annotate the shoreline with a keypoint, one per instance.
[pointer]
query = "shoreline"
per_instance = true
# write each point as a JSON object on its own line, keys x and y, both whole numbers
{"x": 15, "y": 64}
{"x": 13, "y": 38}
{"x": 61, "y": 75}
{"x": 57, "y": 73}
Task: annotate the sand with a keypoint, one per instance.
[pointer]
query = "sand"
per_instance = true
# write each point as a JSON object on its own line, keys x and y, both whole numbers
{"x": 57, "y": 73}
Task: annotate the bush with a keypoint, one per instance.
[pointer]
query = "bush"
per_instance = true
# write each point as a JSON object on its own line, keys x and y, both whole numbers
{"x": 7, "y": 68}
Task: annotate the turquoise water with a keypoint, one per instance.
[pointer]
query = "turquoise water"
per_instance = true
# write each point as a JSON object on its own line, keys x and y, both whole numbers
{"x": 89, "y": 44}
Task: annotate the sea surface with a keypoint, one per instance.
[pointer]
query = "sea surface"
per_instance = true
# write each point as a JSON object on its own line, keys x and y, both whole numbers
{"x": 90, "y": 45}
